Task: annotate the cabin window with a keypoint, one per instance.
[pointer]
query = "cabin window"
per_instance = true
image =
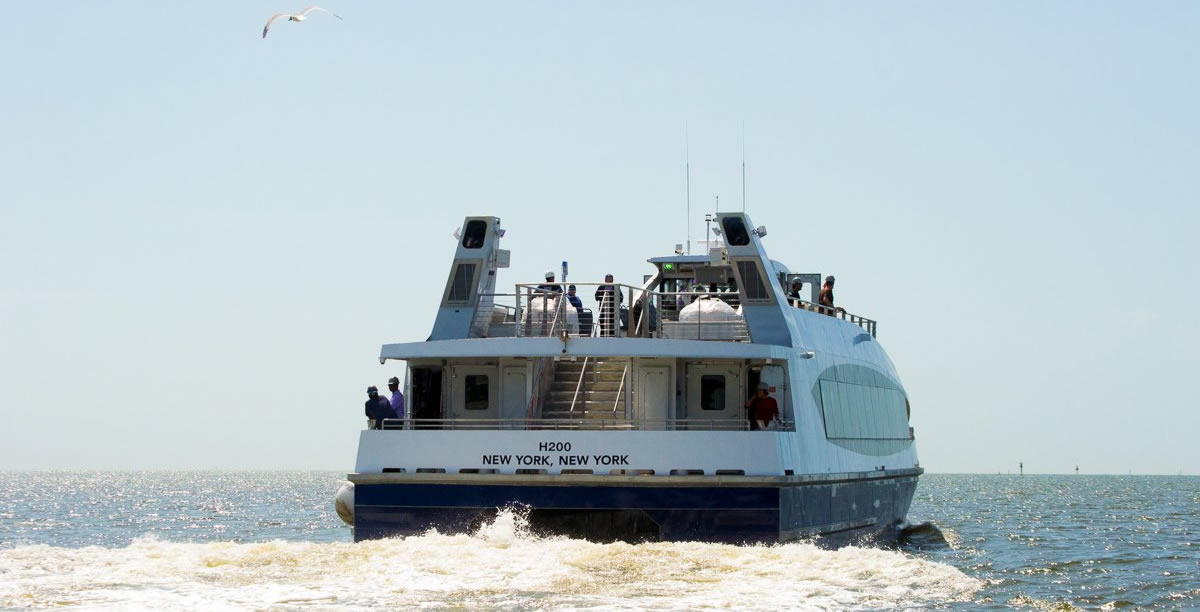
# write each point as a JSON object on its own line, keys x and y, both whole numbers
{"x": 735, "y": 231}
{"x": 475, "y": 392}
{"x": 863, "y": 412}
{"x": 460, "y": 288}
{"x": 752, "y": 282}
{"x": 473, "y": 234}
{"x": 712, "y": 392}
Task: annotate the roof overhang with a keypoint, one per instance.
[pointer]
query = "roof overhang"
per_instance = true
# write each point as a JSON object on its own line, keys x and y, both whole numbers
{"x": 582, "y": 347}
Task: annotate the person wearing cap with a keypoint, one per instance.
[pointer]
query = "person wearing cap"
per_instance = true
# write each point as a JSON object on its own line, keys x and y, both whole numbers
{"x": 397, "y": 399}
{"x": 794, "y": 293}
{"x": 609, "y": 299}
{"x": 825, "y": 298}
{"x": 550, "y": 286}
{"x": 377, "y": 408}
{"x": 574, "y": 299}
{"x": 762, "y": 408}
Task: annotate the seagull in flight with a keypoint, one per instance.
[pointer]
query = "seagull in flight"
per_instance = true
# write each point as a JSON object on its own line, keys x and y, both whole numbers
{"x": 301, "y": 16}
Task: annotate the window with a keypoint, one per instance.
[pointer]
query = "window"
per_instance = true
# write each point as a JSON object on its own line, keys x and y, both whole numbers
{"x": 863, "y": 412}
{"x": 752, "y": 281}
{"x": 460, "y": 289}
{"x": 712, "y": 392}
{"x": 474, "y": 234}
{"x": 475, "y": 392}
{"x": 735, "y": 231}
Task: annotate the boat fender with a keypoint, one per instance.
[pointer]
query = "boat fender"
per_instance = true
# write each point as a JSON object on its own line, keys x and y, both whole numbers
{"x": 343, "y": 502}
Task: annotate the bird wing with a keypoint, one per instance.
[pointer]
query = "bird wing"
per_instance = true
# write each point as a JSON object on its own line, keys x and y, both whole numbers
{"x": 317, "y": 8}
{"x": 273, "y": 18}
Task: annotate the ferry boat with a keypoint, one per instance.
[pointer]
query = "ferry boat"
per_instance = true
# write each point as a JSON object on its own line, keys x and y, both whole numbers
{"x": 627, "y": 420}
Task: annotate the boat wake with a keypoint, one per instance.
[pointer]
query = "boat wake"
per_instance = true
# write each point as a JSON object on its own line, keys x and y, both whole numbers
{"x": 924, "y": 536}
{"x": 502, "y": 565}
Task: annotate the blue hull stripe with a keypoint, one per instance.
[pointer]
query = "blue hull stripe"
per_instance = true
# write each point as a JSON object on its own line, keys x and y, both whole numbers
{"x": 844, "y": 510}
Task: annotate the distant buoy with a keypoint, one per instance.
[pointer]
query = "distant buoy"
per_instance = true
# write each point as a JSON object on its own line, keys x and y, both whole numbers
{"x": 343, "y": 502}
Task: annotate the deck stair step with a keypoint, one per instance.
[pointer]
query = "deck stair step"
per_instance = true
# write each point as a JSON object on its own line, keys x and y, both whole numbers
{"x": 594, "y": 393}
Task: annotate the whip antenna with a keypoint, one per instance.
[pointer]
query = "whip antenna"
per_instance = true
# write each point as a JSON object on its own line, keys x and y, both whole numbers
{"x": 687, "y": 169}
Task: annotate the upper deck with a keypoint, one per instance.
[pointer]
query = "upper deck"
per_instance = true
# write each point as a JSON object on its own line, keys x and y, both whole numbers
{"x": 734, "y": 293}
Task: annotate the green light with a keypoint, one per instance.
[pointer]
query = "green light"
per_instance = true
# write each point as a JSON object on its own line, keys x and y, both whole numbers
{"x": 669, "y": 266}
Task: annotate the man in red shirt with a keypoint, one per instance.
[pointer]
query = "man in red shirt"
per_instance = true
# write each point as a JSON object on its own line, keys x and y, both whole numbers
{"x": 762, "y": 407}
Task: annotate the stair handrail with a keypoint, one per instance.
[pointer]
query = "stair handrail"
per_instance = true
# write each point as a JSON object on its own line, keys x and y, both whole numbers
{"x": 592, "y": 333}
{"x": 578, "y": 384}
{"x": 621, "y": 387}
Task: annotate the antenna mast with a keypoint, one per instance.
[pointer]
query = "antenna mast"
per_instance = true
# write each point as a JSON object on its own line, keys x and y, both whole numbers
{"x": 687, "y": 169}
{"x": 743, "y": 166}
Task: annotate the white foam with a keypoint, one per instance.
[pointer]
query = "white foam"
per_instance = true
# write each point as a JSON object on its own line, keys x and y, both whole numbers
{"x": 501, "y": 566}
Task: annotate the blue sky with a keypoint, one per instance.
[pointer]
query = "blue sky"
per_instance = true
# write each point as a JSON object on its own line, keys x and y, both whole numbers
{"x": 206, "y": 235}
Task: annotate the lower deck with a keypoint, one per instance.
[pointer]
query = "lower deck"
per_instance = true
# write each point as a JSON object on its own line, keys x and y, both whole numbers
{"x": 601, "y": 392}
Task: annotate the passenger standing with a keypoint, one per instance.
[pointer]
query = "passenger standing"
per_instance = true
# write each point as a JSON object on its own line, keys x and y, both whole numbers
{"x": 397, "y": 399}
{"x": 762, "y": 407}
{"x": 608, "y": 299}
{"x": 377, "y": 408}
{"x": 825, "y": 298}
{"x": 794, "y": 293}
{"x": 550, "y": 286}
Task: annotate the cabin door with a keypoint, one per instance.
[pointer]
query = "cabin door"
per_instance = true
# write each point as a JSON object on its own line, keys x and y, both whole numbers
{"x": 713, "y": 394}
{"x": 514, "y": 403}
{"x": 475, "y": 393}
{"x": 654, "y": 397}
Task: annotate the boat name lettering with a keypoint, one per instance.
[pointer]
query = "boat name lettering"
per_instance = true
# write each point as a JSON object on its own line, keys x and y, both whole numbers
{"x": 498, "y": 459}
{"x": 520, "y": 459}
{"x": 554, "y": 447}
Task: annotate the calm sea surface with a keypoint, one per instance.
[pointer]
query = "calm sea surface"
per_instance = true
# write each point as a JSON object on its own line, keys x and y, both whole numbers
{"x": 271, "y": 541}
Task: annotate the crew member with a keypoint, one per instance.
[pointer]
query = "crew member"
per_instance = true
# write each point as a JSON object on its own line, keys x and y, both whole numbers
{"x": 762, "y": 407}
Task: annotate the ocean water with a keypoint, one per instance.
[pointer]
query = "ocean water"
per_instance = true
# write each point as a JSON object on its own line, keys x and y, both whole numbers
{"x": 271, "y": 541}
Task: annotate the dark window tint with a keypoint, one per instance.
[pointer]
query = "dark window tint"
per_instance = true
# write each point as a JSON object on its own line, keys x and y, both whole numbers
{"x": 473, "y": 235}
{"x": 475, "y": 392}
{"x": 460, "y": 289}
{"x": 735, "y": 231}
{"x": 712, "y": 392}
{"x": 751, "y": 281}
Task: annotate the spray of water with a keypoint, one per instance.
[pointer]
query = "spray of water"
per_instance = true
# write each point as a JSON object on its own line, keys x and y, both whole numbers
{"x": 499, "y": 566}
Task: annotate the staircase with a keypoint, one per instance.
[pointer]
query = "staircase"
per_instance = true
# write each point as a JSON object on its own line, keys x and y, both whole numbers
{"x": 600, "y": 389}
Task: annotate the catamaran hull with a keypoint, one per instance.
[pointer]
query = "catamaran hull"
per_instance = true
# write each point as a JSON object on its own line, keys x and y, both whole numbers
{"x": 834, "y": 509}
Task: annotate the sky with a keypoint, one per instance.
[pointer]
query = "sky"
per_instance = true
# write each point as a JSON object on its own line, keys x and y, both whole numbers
{"x": 205, "y": 236}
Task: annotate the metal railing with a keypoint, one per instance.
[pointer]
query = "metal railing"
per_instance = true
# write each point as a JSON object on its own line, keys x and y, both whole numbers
{"x": 838, "y": 312}
{"x": 638, "y": 313}
{"x": 621, "y": 387}
{"x": 615, "y": 424}
{"x": 652, "y": 314}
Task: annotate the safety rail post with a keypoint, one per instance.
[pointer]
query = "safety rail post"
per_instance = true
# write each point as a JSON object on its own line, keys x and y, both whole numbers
{"x": 521, "y": 321}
